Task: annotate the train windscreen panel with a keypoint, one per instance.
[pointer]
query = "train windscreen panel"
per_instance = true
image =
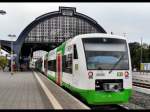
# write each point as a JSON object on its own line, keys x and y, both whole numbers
{"x": 106, "y": 54}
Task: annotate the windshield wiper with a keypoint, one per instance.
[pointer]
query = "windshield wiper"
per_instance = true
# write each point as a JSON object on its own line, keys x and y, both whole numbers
{"x": 116, "y": 63}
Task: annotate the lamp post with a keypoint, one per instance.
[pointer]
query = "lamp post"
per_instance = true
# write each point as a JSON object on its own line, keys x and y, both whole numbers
{"x": 2, "y": 12}
{"x": 12, "y": 36}
{"x": 141, "y": 54}
{"x": 0, "y": 48}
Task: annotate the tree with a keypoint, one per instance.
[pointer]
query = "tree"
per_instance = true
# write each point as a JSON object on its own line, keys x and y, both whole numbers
{"x": 3, "y": 62}
{"x": 135, "y": 51}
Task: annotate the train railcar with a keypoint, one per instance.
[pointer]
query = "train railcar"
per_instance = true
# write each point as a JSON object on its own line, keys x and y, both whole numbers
{"x": 96, "y": 66}
{"x": 38, "y": 64}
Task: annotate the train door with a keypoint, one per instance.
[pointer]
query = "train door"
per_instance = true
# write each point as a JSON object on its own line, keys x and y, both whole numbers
{"x": 75, "y": 66}
{"x": 59, "y": 69}
{"x": 46, "y": 66}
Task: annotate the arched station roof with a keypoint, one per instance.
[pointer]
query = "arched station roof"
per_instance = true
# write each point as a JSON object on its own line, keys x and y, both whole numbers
{"x": 79, "y": 23}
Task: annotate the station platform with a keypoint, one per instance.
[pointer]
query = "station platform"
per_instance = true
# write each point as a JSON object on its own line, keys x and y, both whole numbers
{"x": 32, "y": 90}
{"x": 141, "y": 77}
{"x": 147, "y": 74}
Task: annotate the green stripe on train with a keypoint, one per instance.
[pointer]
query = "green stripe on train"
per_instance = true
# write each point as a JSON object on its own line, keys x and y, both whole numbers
{"x": 62, "y": 48}
{"x": 51, "y": 77}
{"x": 97, "y": 97}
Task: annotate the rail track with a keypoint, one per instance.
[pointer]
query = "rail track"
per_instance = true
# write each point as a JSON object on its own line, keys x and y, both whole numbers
{"x": 147, "y": 86}
{"x": 108, "y": 107}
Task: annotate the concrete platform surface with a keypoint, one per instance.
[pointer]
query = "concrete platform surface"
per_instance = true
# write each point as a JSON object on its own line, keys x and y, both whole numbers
{"x": 32, "y": 90}
{"x": 65, "y": 99}
{"x": 21, "y": 91}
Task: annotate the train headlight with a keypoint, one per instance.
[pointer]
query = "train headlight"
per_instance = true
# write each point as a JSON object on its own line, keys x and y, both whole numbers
{"x": 90, "y": 74}
{"x": 126, "y": 74}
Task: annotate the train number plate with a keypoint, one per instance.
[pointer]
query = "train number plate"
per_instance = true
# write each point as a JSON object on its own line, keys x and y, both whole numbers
{"x": 100, "y": 74}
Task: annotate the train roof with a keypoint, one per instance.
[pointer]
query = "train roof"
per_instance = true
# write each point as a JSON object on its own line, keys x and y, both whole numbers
{"x": 89, "y": 35}
{"x": 98, "y": 35}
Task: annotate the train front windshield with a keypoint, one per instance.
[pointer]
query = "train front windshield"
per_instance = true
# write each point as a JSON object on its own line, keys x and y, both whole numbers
{"x": 106, "y": 54}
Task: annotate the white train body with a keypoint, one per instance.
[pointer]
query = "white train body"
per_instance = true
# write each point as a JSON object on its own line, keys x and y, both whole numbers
{"x": 93, "y": 65}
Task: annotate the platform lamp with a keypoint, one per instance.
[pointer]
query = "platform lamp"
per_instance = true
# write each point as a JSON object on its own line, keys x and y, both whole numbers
{"x": 12, "y": 39}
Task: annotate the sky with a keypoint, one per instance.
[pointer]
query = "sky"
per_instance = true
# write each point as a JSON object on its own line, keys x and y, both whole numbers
{"x": 133, "y": 19}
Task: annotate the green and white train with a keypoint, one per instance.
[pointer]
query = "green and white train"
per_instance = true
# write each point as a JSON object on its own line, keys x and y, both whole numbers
{"x": 96, "y": 66}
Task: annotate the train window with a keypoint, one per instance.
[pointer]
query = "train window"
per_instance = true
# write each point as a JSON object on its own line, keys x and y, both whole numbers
{"x": 45, "y": 63}
{"x": 106, "y": 54}
{"x": 67, "y": 63}
{"x": 75, "y": 52}
{"x": 63, "y": 63}
{"x": 52, "y": 65}
{"x": 38, "y": 64}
